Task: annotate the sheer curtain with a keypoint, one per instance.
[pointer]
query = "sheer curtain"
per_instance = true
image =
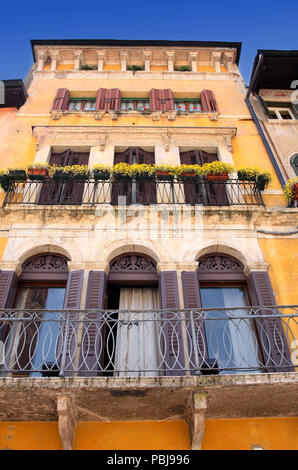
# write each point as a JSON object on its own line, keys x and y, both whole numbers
{"x": 240, "y": 339}
{"x": 136, "y": 351}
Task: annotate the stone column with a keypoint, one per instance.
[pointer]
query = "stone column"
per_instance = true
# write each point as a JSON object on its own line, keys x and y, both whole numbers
{"x": 54, "y": 60}
{"x": 123, "y": 60}
{"x": 171, "y": 60}
{"x": 193, "y": 57}
{"x": 77, "y": 59}
{"x": 100, "y": 60}
{"x": 229, "y": 62}
{"x": 42, "y": 57}
{"x": 147, "y": 58}
{"x": 215, "y": 57}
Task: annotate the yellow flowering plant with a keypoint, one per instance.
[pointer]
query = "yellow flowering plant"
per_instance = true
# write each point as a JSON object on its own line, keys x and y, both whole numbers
{"x": 182, "y": 169}
{"x": 68, "y": 171}
{"x": 142, "y": 169}
{"x": 249, "y": 174}
{"x": 290, "y": 189}
{"x": 217, "y": 168}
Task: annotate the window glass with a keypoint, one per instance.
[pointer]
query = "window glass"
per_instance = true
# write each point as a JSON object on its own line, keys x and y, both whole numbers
{"x": 294, "y": 163}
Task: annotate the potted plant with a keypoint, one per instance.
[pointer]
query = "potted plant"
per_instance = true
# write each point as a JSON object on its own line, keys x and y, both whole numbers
{"x": 4, "y": 180}
{"x": 165, "y": 172}
{"x": 183, "y": 68}
{"x": 101, "y": 172}
{"x": 38, "y": 171}
{"x": 17, "y": 174}
{"x": 188, "y": 172}
{"x": 291, "y": 190}
{"x": 134, "y": 68}
{"x": 142, "y": 172}
{"x": 88, "y": 67}
{"x": 60, "y": 173}
{"x": 217, "y": 171}
{"x": 263, "y": 179}
{"x": 122, "y": 172}
{"x": 80, "y": 172}
{"x": 248, "y": 174}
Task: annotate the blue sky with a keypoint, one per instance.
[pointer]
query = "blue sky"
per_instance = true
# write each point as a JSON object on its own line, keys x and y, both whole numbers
{"x": 257, "y": 24}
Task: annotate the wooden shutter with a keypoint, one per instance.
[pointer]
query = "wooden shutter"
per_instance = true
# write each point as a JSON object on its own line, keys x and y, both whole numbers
{"x": 146, "y": 191}
{"x": 216, "y": 193}
{"x": 92, "y": 349}
{"x": 208, "y": 101}
{"x": 122, "y": 188}
{"x": 274, "y": 345}
{"x": 8, "y": 288}
{"x": 50, "y": 192}
{"x": 155, "y": 98}
{"x": 114, "y": 99}
{"x": 161, "y": 100}
{"x": 192, "y": 300}
{"x": 101, "y": 103}
{"x": 61, "y": 99}
{"x": 72, "y": 193}
{"x": 168, "y": 100}
{"x": 172, "y": 327}
{"x": 72, "y": 301}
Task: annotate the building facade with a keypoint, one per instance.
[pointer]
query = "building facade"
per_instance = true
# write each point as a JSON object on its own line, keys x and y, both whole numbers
{"x": 139, "y": 311}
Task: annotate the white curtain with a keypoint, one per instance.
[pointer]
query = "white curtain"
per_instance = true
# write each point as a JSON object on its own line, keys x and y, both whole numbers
{"x": 136, "y": 351}
{"x": 239, "y": 338}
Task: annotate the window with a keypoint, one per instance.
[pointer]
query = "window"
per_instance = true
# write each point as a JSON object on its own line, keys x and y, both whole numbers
{"x": 280, "y": 113}
{"x": 294, "y": 163}
{"x": 81, "y": 104}
{"x": 135, "y": 104}
{"x": 188, "y": 106}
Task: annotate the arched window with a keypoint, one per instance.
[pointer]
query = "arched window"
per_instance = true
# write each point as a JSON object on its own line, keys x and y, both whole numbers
{"x": 228, "y": 338}
{"x": 294, "y": 163}
{"x": 37, "y": 296}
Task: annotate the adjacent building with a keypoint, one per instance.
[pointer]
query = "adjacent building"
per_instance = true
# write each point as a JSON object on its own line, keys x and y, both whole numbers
{"x": 146, "y": 310}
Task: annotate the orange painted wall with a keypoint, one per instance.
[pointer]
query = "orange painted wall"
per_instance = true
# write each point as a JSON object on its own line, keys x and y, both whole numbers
{"x": 228, "y": 434}
{"x": 146, "y": 435}
{"x": 242, "y": 434}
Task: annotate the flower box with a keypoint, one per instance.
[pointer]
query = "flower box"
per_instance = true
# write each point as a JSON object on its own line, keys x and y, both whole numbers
{"x": 262, "y": 182}
{"x": 188, "y": 176}
{"x": 217, "y": 176}
{"x": 17, "y": 175}
{"x": 121, "y": 177}
{"x": 296, "y": 192}
{"x": 37, "y": 174}
{"x": 101, "y": 175}
{"x": 60, "y": 175}
{"x": 144, "y": 178}
{"x": 242, "y": 176}
{"x": 84, "y": 176}
{"x": 4, "y": 182}
{"x": 164, "y": 175}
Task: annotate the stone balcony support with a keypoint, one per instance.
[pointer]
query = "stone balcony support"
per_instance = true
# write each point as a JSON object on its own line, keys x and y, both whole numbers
{"x": 171, "y": 60}
{"x": 123, "y": 60}
{"x": 100, "y": 60}
{"x": 77, "y": 59}
{"x": 147, "y": 59}
{"x": 54, "y": 60}
{"x": 67, "y": 421}
{"x": 196, "y": 419}
{"x": 193, "y": 58}
{"x": 215, "y": 58}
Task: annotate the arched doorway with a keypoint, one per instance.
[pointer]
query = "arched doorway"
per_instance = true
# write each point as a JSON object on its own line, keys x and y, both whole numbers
{"x": 32, "y": 343}
{"x": 132, "y": 340}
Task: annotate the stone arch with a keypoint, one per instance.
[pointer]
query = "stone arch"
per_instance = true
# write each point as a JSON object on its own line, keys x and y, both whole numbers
{"x": 121, "y": 248}
{"x": 288, "y": 162}
{"x": 225, "y": 250}
{"x": 43, "y": 249}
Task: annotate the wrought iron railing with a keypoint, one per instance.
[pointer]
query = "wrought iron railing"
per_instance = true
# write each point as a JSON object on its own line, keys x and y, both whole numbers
{"x": 95, "y": 192}
{"x": 118, "y": 343}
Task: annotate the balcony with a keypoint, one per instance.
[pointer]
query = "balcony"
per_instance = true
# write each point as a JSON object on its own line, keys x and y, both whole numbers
{"x": 232, "y": 192}
{"x": 132, "y": 344}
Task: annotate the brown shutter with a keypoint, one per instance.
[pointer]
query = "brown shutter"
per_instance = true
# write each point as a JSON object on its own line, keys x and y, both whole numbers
{"x": 92, "y": 349}
{"x": 192, "y": 300}
{"x": 172, "y": 328}
{"x": 146, "y": 192}
{"x": 8, "y": 288}
{"x": 50, "y": 192}
{"x": 168, "y": 100}
{"x": 155, "y": 98}
{"x": 61, "y": 99}
{"x": 208, "y": 101}
{"x": 101, "y": 103}
{"x": 115, "y": 99}
{"x": 72, "y": 193}
{"x": 274, "y": 345}
{"x": 191, "y": 190}
{"x": 72, "y": 301}
{"x": 216, "y": 193}
{"x": 122, "y": 188}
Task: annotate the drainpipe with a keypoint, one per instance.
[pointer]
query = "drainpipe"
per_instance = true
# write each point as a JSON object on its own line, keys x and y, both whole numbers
{"x": 257, "y": 123}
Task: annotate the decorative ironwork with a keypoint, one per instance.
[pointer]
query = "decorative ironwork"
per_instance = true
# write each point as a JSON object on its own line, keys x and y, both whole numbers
{"x": 132, "y": 343}
{"x": 219, "y": 263}
{"x": 133, "y": 263}
{"x": 96, "y": 192}
{"x": 45, "y": 263}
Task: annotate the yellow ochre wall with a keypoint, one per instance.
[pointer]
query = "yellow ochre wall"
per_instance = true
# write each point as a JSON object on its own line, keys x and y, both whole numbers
{"x": 19, "y": 146}
{"x": 232, "y": 434}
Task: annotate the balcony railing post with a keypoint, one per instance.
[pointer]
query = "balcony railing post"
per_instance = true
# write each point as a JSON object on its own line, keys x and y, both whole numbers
{"x": 64, "y": 349}
{"x": 194, "y": 341}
